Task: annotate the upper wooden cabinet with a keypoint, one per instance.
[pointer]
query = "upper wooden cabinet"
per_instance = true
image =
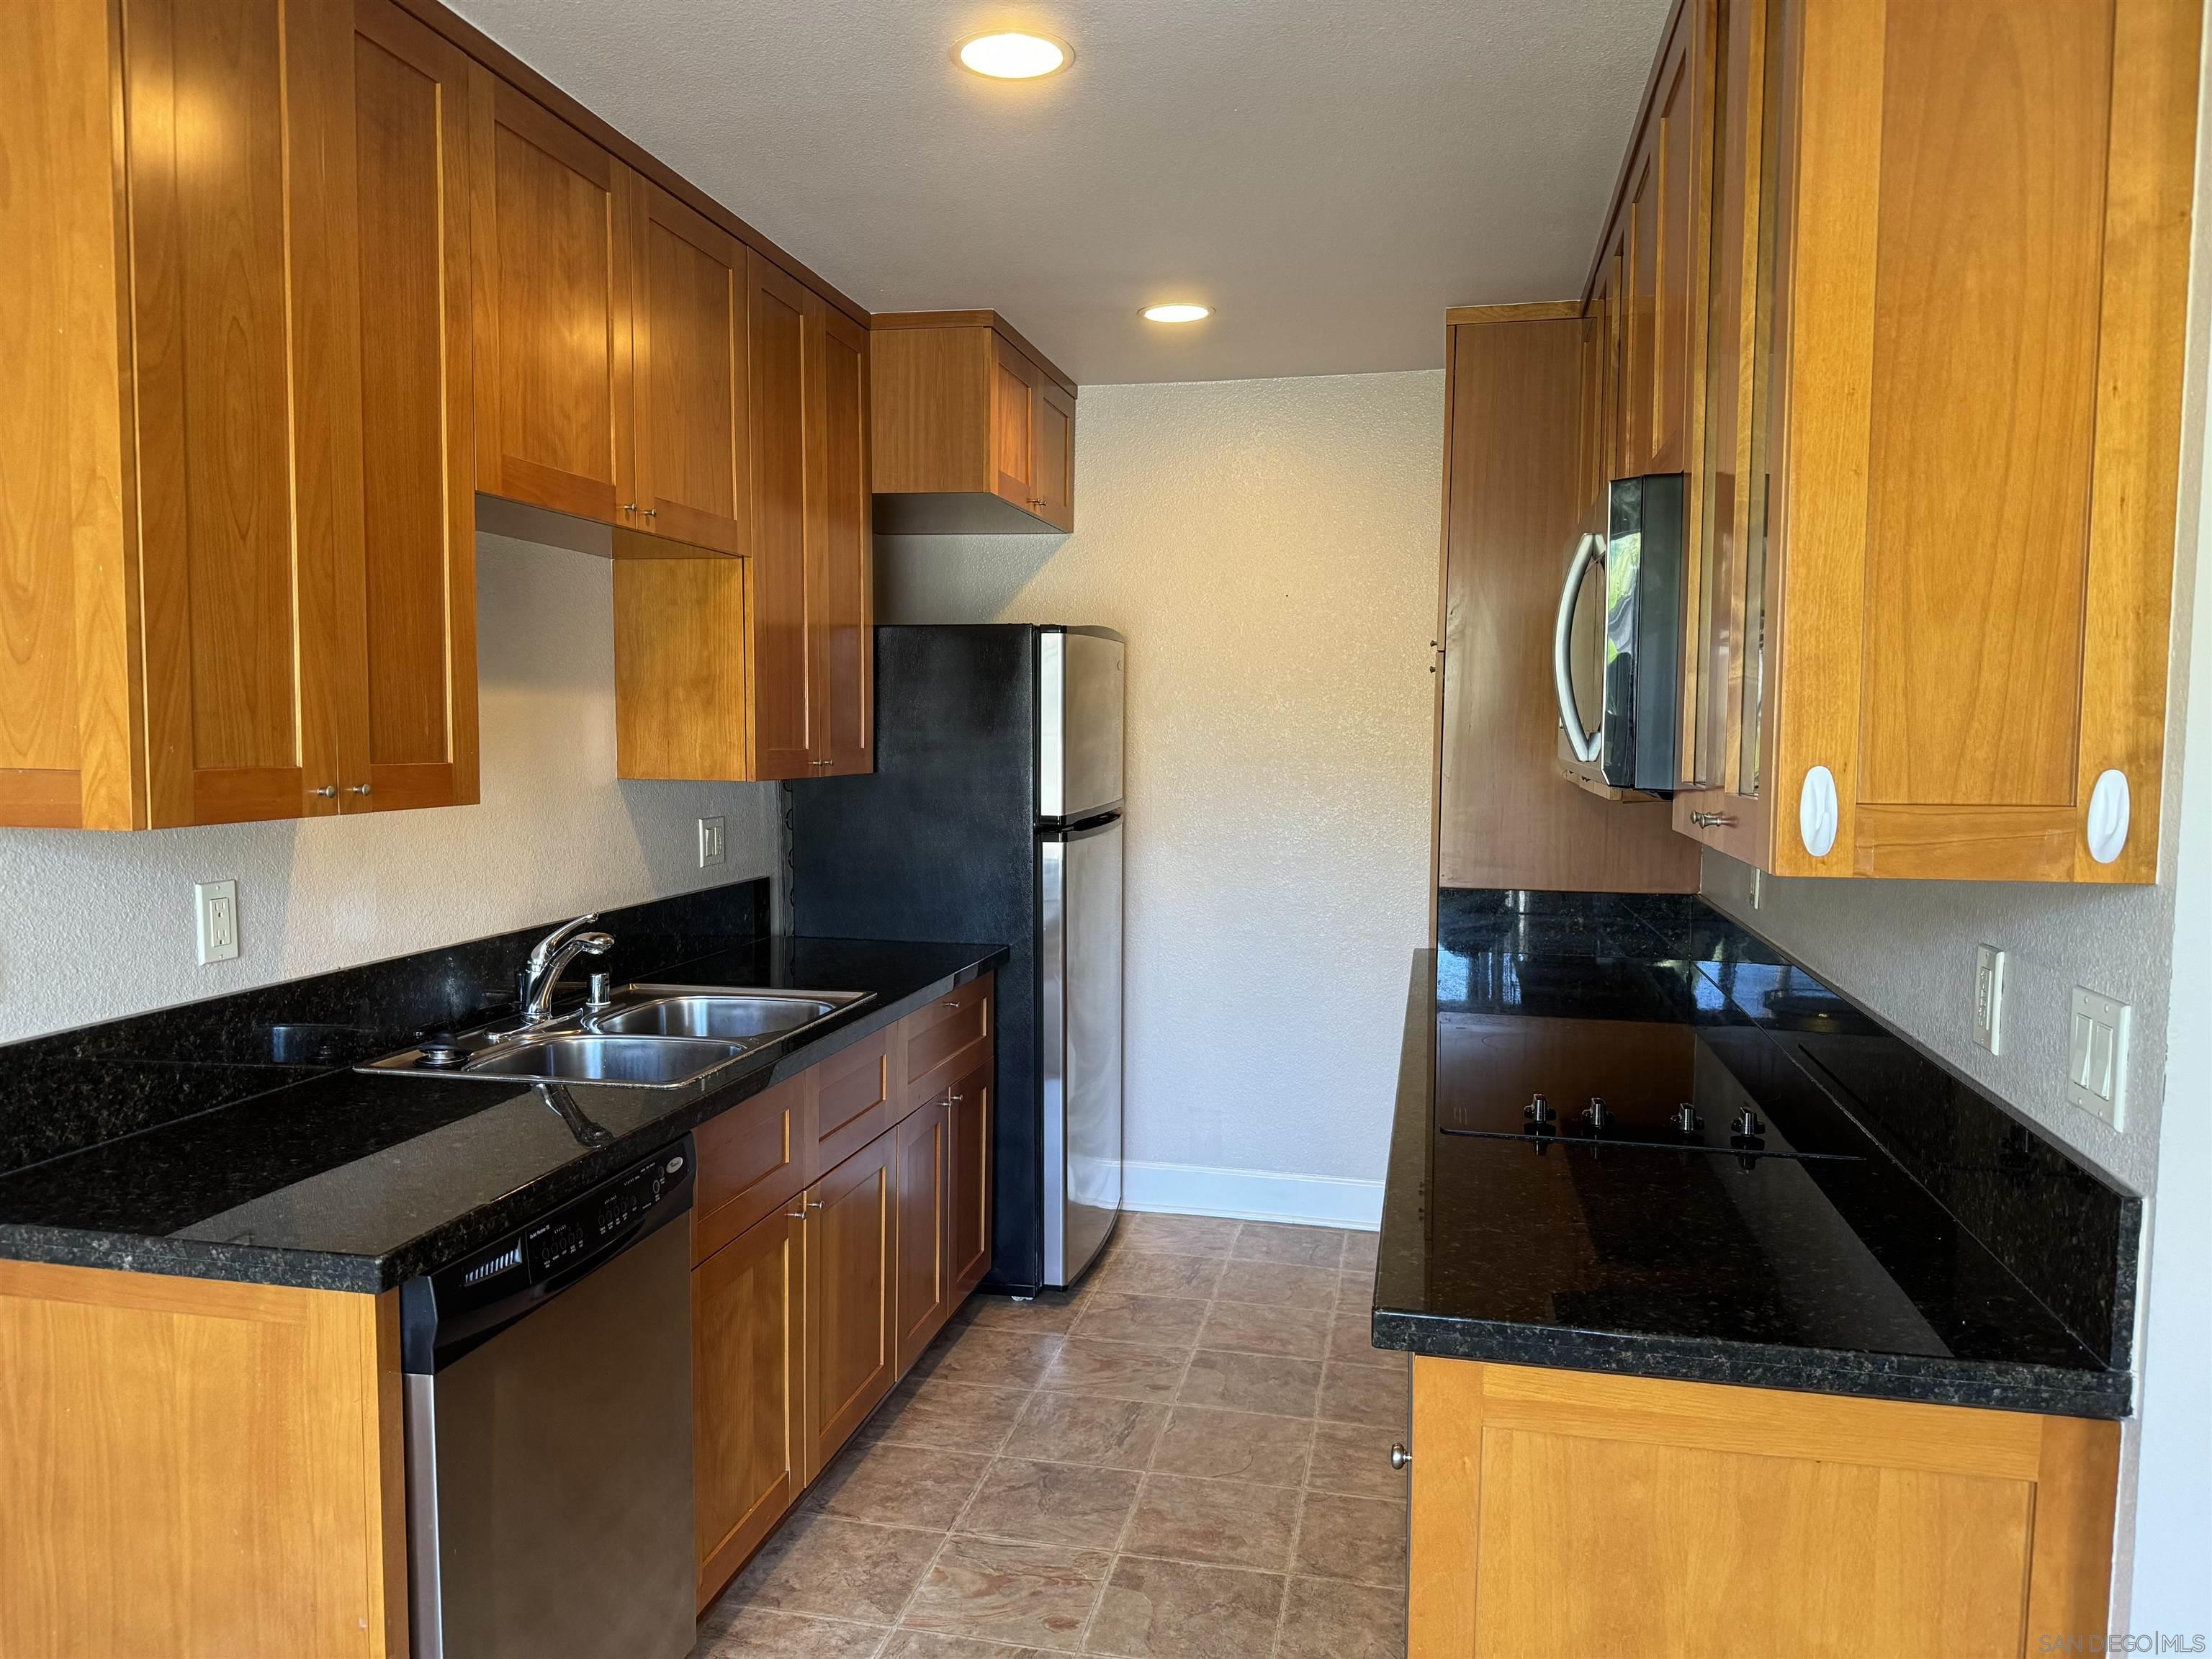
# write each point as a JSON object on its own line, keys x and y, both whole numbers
{"x": 238, "y": 555}
{"x": 1952, "y": 248}
{"x": 841, "y": 547}
{"x": 973, "y": 429}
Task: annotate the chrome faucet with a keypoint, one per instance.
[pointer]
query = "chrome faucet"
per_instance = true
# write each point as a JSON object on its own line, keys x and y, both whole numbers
{"x": 550, "y": 957}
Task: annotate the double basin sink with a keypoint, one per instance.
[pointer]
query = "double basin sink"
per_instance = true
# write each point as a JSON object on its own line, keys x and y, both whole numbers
{"x": 655, "y": 1036}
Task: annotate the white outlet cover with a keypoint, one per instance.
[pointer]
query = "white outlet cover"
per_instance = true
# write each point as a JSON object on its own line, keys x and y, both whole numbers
{"x": 2097, "y": 1055}
{"x": 215, "y": 911}
{"x": 1988, "y": 997}
{"x": 710, "y": 841}
{"x": 1817, "y": 813}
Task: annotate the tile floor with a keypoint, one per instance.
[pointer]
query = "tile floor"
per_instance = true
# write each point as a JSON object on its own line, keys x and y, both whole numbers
{"x": 1187, "y": 1457}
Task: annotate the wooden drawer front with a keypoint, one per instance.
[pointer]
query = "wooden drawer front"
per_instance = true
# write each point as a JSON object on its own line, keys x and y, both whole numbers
{"x": 947, "y": 1040}
{"x": 752, "y": 1160}
{"x": 851, "y": 1099}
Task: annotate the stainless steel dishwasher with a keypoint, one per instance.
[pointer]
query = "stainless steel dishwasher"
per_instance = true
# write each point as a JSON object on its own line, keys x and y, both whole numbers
{"x": 548, "y": 1431}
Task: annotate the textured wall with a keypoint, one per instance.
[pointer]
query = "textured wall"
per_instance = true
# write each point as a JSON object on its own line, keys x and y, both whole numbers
{"x": 101, "y": 925}
{"x": 1269, "y": 549}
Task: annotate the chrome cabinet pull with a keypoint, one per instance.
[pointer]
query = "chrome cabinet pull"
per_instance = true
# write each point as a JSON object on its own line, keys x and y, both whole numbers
{"x": 629, "y": 507}
{"x": 813, "y": 1203}
{"x": 1712, "y": 820}
{"x": 328, "y": 792}
{"x": 357, "y": 789}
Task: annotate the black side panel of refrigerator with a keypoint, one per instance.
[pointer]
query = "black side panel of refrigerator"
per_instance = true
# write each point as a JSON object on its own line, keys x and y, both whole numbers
{"x": 940, "y": 843}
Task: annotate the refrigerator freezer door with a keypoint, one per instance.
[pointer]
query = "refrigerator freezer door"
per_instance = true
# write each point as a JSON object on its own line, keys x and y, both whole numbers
{"x": 1078, "y": 723}
{"x": 1081, "y": 883}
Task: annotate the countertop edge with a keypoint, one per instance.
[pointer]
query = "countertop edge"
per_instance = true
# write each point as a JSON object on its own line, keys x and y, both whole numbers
{"x": 174, "y": 1257}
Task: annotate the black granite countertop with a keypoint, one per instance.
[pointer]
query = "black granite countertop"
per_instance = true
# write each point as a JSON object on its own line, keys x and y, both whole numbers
{"x": 338, "y": 1179}
{"x": 1827, "y": 1249}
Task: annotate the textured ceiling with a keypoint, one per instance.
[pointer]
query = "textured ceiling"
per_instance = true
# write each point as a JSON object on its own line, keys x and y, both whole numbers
{"x": 1329, "y": 174}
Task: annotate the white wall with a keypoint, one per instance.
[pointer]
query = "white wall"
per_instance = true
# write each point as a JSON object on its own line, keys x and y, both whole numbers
{"x": 99, "y": 926}
{"x": 1269, "y": 549}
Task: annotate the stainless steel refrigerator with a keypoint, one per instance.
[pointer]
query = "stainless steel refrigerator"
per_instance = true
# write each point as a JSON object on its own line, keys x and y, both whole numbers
{"x": 994, "y": 815}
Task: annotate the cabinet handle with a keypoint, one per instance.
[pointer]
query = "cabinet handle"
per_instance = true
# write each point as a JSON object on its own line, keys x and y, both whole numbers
{"x": 328, "y": 792}
{"x": 357, "y": 789}
{"x": 1712, "y": 820}
{"x": 795, "y": 1215}
{"x": 648, "y": 512}
{"x": 629, "y": 507}
{"x": 954, "y": 1100}
{"x": 813, "y": 1203}
{"x": 1400, "y": 1457}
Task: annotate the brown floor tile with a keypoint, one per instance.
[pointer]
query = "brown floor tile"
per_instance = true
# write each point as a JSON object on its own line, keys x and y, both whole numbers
{"x": 1356, "y": 1290}
{"x": 1335, "y": 1621}
{"x": 1364, "y": 1393}
{"x": 757, "y": 1633}
{"x": 928, "y": 1644}
{"x": 1069, "y": 1428}
{"x": 1170, "y": 1321}
{"x": 898, "y": 1486}
{"x": 1115, "y": 1370}
{"x": 1300, "y": 1332}
{"x": 1134, "y": 1272}
{"x": 988, "y": 1358}
{"x": 1360, "y": 1252}
{"x": 1071, "y": 1503}
{"x": 1304, "y": 1247}
{"x": 949, "y": 1416}
{"x": 1167, "y": 1610}
{"x": 1278, "y": 1285}
{"x": 1270, "y": 1451}
{"x": 1353, "y": 1538}
{"x": 817, "y": 1563}
{"x": 1225, "y": 1523}
{"x": 1178, "y": 1234}
{"x": 1355, "y": 1458}
{"x": 1051, "y": 1314}
{"x": 1351, "y": 1340}
{"x": 1251, "y": 1382}
{"x": 1017, "y": 1593}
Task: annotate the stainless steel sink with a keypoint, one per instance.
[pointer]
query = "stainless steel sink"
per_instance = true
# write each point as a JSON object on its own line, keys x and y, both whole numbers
{"x": 747, "y": 1017}
{"x": 652, "y": 1061}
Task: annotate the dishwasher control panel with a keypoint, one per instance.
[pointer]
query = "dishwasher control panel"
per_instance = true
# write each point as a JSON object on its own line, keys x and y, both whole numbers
{"x": 580, "y": 1231}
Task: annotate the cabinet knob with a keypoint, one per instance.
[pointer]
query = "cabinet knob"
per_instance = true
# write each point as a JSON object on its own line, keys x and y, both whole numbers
{"x": 954, "y": 1100}
{"x": 795, "y": 1215}
{"x": 1712, "y": 820}
{"x": 813, "y": 1203}
{"x": 629, "y": 507}
{"x": 648, "y": 512}
{"x": 357, "y": 789}
{"x": 328, "y": 792}
{"x": 1400, "y": 1457}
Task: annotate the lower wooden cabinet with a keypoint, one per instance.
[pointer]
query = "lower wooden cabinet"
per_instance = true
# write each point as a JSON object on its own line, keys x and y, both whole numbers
{"x": 968, "y": 1188}
{"x": 852, "y": 1359}
{"x": 1566, "y": 1512}
{"x": 748, "y": 1342}
{"x": 924, "y": 1299}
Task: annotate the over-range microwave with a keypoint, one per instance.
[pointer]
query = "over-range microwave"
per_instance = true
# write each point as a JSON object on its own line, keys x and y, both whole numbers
{"x": 1617, "y": 646}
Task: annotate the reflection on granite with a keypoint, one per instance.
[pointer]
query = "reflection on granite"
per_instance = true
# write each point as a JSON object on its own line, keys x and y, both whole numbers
{"x": 344, "y": 1180}
{"x": 1835, "y": 1250}
{"x": 78, "y": 1089}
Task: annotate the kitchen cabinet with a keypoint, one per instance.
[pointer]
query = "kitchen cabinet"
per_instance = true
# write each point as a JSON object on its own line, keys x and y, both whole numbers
{"x": 968, "y": 1119}
{"x": 240, "y": 578}
{"x": 946, "y": 1041}
{"x": 923, "y": 1295}
{"x": 841, "y": 548}
{"x": 854, "y": 1096}
{"x": 1937, "y": 644}
{"x": 973, "y": 429}
{"x": 852, "y": 1356}
{"x": 1748, "y": 1522}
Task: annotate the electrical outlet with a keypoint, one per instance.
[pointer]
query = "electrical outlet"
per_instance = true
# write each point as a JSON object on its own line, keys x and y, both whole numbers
{"x": 1988, "y": 997}
{"x": 215, "y": 905}
{"x": 710, "y": 841}
{"x": 2097, "y": 1056}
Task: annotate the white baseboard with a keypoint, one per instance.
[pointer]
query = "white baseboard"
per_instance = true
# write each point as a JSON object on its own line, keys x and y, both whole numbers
{"x": 1252, "y": 1196}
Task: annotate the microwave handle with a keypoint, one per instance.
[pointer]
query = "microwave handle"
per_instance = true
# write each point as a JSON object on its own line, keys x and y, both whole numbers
{"x": 1585, "y": 745}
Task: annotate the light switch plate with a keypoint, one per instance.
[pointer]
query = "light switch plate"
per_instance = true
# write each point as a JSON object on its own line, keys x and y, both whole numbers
{"x": 710, "y": 841}
{"x": 2097, "y": 1056}
{"x": 215, "y": 905}
{"x": 1988, "y": 997}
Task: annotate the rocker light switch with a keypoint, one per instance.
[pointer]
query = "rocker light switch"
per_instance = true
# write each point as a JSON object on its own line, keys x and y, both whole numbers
{"x": 2097, "y": 1056}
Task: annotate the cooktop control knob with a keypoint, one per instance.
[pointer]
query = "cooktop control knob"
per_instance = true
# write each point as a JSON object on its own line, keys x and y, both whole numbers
{"x": 1748, "y": 1124}
{"x": 1597, "y": 1113}
{"x": 1539, "y": 1115}
{"x": 1687, "y": 1120}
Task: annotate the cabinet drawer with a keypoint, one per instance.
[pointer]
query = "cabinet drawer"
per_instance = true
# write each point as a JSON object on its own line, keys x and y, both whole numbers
{"x": 752, "y": 1160}
{"x": 851, "y": 1099}
{"x": 947, "y": 1040}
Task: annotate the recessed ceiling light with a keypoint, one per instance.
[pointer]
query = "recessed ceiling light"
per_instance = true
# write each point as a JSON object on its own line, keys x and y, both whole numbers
{"x": 1011, "y": 55}
{"x": 1177, "y": 313}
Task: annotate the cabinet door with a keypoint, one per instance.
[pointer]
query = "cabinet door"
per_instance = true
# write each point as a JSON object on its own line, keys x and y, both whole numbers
{"x": 922, "y": 1299}
{"x": 839, "y": 551}
{"x": 1013, "y": 426}
{"x": 693, "y": 478}
{"x": 852, "y": 1359}
{"x": 776, "y": 325}
{"x": 553, "y": 380}
{"x": 240, "y": 518}
{"x": 747, "y": 1379}
{"x": 1054, "y": 453}
{"x": 968, "y": 1188}
{"x": 407, "y": 597}
{"x": 1673, "y": 263}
